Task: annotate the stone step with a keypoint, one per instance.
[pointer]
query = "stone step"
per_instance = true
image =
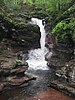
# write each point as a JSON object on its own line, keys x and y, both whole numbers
{"x": 18, "y": 81}
{"x": 64, "y": 87}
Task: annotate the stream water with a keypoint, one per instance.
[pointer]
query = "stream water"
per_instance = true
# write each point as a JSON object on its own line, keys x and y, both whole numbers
{"x": 36, "y": 59}
{"x": 38, "y": 89}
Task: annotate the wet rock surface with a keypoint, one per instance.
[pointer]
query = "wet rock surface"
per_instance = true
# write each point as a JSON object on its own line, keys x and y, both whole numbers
{"x": 50, "y": 94}
{"x": 38, "y": 89}
{"x": 12, "y": 73}
{"x": 20, "y": 85}
{"x": 15, "y": 34}
{"x": 64, "y": 87}
{"x": 63, "y": 63}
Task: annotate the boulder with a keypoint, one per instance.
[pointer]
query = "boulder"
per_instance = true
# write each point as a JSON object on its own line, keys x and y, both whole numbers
{"x": 50, "y": 41}
{"x": 2, "y": 85}
{"x": 62, "y": 51}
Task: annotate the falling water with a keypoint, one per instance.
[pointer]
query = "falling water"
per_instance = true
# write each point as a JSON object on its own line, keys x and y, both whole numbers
{"x": 36, "y": 59}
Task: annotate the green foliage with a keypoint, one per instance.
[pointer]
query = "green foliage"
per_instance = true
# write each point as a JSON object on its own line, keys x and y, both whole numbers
{"x": 12, "y": 3}
{"x": 19, "y": 62}
{"x": 60, "y": 26}
{"x": 48, "y": 5}
{"x": 1, "y": 3}
{"x": 60, "y": 30}
{"x": 72, "y": 24}
{"x": 72, "y": 27}
{"x": 51, "y": 5}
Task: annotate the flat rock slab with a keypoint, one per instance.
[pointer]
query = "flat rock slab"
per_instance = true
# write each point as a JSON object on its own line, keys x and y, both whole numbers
{"x": 18, "y": 70}
{"x": 17, "y": 81}
{"x": 64, "y": 87}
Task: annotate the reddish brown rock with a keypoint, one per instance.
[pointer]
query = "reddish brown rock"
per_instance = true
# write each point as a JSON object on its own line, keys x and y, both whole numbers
{"x": 17, "y": 81}
{"x": 18, "y": 70}
{"x": 50, "y": 94}
{"x": 2, "y": 85}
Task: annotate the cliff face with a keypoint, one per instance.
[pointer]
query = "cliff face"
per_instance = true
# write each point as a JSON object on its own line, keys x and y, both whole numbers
{"x": 63, "y": 58}
{"x": 20, "y": 34}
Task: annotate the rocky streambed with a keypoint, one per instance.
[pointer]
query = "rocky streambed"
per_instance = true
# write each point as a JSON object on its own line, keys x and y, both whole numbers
{"x": 12, "y": 72}
{"x": 19, "y": 83}
{"x": 38, "y": 89}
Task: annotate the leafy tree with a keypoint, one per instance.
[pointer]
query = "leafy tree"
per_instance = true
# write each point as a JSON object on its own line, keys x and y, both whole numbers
{"x": 2, "y": 3}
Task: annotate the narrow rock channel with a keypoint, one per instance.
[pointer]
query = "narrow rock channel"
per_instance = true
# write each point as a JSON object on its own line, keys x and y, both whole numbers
{"x": 38, "y": 89}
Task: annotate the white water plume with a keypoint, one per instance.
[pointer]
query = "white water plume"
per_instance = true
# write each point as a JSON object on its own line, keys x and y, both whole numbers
{"x": 36, "y": 59}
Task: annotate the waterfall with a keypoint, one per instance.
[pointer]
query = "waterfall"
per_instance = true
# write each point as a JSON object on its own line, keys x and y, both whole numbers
{"x": 36, "y": 59}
